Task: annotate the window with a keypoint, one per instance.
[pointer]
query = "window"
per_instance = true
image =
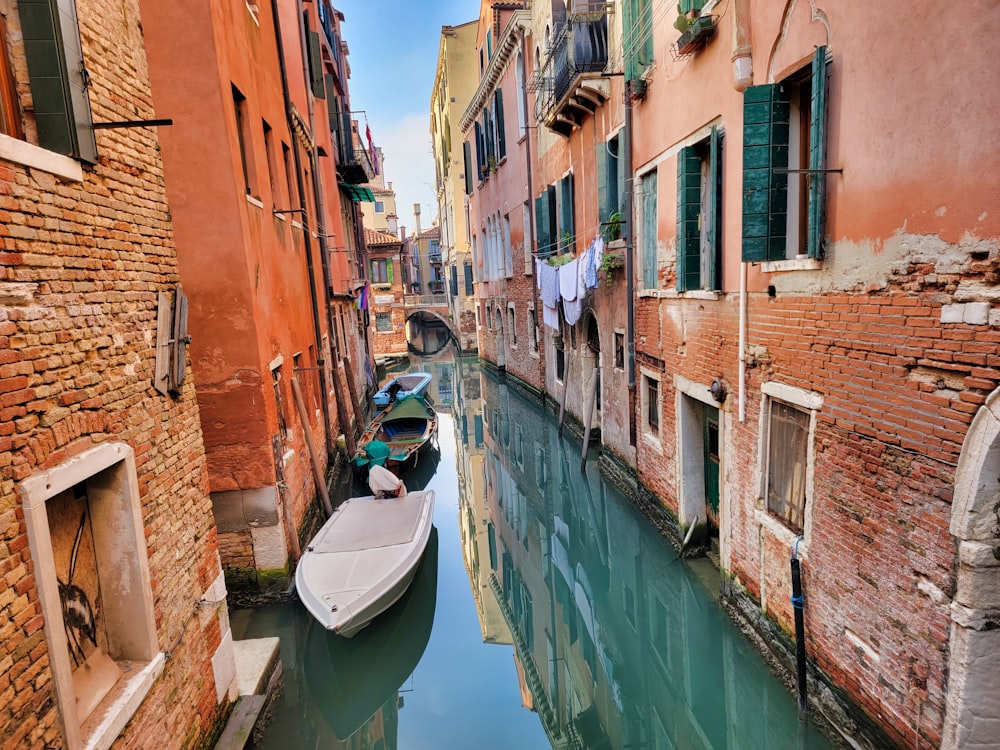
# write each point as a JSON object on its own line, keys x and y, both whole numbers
{"x": 468, "y": 280}
{"x": 50, "y": 36}
{"x": 508, "y": 251}
{"x": 290, "y": 181}
{"x": 243, "y": 136}
{"x": 467, "y": 165}
{"x": 489, "y": 319}
{"x": 379, "y": 207}
{"x": 784, "y": 155}
{"x": 546, "y": 230}
{"x": 383, "y": 321}
{"x": 787, "y": 453}
{"x": 501, "y": 148}
{"x": 10, "y": 108}
{"x": 511, "y": 327}
{"x": 519, "y": 78}
{"x": 619, "y": 350}
{"x": 477, "y": 428}
{"x": 529, "y": 266}
{"x": 567, "y": 237}
{"x": 272, "y": 166}
{"x": 651, "y": 404}
{"x": 638, "y": 37}
{"x": 453, "y": 285}
{"x": 699, "y": 220}
{"x": 560, "y": 358}
{"x": 84, "y": 525}
{"x": 533, "y": 329}
{"x": 381, "y": 271}
{"x": 610, "y": 180}
{"x": 649, "y": 239}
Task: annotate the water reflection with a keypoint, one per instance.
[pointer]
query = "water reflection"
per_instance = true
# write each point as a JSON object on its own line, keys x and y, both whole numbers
{"x": 619, "y": 643}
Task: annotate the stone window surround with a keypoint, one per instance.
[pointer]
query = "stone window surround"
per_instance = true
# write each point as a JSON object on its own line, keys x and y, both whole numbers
{"x": 648, "y": 435}
{"x": 123, "y": 561}
{"x": 29, "y": 155}
{"x": 811, "y": 402}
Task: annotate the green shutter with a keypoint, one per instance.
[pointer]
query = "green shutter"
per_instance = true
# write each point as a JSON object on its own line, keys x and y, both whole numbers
{"x": 331, "y": 100}
{"x": 603, "y": 197}
{"x": 765, "y": 193}
{"x": 688, "y": 213}
{"x": 619, "y": 161}
{"x": 468, "y": 280}
{"x": 649, "y": 269}
{"x": 638, "y": 37}
{"x": 479, "y": 152}
{"x": 816, "y": 227}
{"x": 315, "y": 59}
{"x": 501, "y": 144}
{"x": 467, "y": 159}
{"x": 551, "y": 217}
{"x": 542, "y": 225}
{"x": 715, "y": 210}
{"x": 566, "y": 213}
{"x": 388, "y": 270}
{"x": 54, "y": 56}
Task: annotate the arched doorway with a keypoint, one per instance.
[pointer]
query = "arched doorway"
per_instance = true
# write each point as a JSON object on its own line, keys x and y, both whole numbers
{"x": 973, "y": 706}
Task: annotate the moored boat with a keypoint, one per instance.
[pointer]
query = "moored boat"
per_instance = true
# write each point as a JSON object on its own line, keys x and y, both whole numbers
{"x": 406, "y": 427}
{"x": 408, "y": 384}
{"x": 363, "y": 559}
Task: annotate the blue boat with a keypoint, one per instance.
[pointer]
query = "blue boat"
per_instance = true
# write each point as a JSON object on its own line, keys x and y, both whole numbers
{"x": 409, "y": 384}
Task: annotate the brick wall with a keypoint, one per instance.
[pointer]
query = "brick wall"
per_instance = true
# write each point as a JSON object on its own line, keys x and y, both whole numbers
{"x": 81, "y": 265}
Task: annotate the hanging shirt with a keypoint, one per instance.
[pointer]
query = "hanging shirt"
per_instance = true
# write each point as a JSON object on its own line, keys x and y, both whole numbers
{"x": 568, "y": 284}
{"x": 550, "y": 317}
{"x": 548, "y": 282}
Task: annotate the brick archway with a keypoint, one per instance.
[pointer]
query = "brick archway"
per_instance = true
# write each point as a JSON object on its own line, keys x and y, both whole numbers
{"x": 973, "y": 705}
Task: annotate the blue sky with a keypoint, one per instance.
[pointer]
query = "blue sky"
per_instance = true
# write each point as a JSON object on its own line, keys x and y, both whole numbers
{"x": 393, "y": 53}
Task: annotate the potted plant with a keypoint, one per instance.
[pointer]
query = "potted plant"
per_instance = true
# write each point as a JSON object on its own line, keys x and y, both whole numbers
{"x": 695, "y": 34}
{"x": 610, "y": 263}
{"x": 611, "y": 229}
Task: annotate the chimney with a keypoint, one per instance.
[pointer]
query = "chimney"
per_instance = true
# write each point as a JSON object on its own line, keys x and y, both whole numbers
{"x": 416, "y": 219}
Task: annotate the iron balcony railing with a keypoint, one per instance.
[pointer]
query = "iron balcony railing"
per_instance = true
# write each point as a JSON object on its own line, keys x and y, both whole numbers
{"x": 579, "y": 50}
{"x": 354, "y": 163}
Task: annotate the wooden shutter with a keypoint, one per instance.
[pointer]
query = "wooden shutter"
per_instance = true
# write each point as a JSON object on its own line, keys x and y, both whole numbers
{"x": 388, "y": 271}
{"x": 649, "y": 269}
{"x": 468, "y": 280}
{"x": 57, "y": 78}
{"x": 816, "y": 226}
{"x": 542, "y": 225}
{"x": 603, "y": 198}
{"x": 566, "y": 212}
{"x": 715, "y": 210}
{"x": 501, "y": 144}
{"x": 480, "y": 156}
{"x": 454, "y": 281}
{"x": 315, "y": 58}
{"x": 178, "y": 360}
{"x": 688, "y": 213}
{"x": 765, "y": 194}
{"x": 467, "y": 157}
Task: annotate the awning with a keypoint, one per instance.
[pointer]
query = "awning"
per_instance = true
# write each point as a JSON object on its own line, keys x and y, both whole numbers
{"x": 357, "y": 193}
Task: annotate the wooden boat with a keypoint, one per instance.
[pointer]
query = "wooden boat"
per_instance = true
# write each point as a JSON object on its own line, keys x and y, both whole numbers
{"x": 352, "y": 681}
{"x": 363, "y": 559}
{"x": 411, "y": 383}
{"x": 407, "y": 426}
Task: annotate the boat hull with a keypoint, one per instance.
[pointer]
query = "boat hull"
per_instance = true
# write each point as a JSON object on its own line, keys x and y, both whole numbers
{"x": 364, "y": 559}
{"x": 414, "y": 383}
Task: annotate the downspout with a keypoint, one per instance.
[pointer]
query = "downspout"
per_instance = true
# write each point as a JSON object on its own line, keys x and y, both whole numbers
{"x": 742, "y": 77}
{"x": 300, "y": 185}
{"x": 629, "y": 260}
{"x": 531, "y": 203}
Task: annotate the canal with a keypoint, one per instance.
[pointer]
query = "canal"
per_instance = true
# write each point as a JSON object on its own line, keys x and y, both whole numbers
{"x": 547, "y": 613}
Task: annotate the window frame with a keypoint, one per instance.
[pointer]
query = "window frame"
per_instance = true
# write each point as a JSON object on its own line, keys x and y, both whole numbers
{"x": 649, "y": 430}
{"x": 810, "y": 403}
{"x": 699, "y": 215}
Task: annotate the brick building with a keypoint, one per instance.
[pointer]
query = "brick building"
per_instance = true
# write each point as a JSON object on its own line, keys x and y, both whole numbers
{"x": 385, "y": 295}
{"x": 112, "y": 600}
{"x": 806, "y": 353}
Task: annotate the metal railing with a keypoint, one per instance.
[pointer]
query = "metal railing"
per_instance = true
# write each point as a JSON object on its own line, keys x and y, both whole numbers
{"x": 579, "y": 46}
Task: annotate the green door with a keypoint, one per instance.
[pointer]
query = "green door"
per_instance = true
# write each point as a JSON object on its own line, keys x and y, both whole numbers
{"x": 712, "y": 462}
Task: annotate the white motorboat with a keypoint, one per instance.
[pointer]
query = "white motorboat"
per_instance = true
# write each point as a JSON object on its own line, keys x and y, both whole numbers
{"x": 363, "y": 559}
{"x": 410, "y": 384}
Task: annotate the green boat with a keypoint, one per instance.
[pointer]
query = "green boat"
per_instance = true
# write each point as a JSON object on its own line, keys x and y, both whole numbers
{"x": 407, "y": 427}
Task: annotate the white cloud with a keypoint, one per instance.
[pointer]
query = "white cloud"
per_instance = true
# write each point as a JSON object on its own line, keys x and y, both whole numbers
{"x": 409, "y": 166}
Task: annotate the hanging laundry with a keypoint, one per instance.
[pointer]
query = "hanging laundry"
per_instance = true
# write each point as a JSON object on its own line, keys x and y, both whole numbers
{"x": 548, "y": 282}
{"x": 568, "y": 285}
{"x": 550, "y": 317}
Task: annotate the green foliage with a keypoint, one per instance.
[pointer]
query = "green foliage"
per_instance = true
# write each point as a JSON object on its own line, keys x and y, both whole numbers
{"x": 611, "y": 229}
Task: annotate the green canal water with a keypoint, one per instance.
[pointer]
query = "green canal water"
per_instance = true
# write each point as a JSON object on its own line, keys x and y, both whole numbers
{"x": 546, "y": 613}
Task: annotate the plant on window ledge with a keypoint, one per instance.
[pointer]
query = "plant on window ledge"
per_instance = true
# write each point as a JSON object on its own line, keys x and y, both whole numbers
{"x": 611, "y": 229}
{"x": 610, "y": 263}
{"x": 695, "y": 33}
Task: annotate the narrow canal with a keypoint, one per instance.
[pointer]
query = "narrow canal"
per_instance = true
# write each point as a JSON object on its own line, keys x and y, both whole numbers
{"x": 547, "y": 613}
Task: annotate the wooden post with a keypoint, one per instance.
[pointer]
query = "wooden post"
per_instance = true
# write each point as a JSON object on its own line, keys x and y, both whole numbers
{"x": 562, "y": 404}
{"x": 277, "y": 446}
{"x": 317, "y": 473}
{"x": 352, "y": 444}
{"x": 591, "y": 398}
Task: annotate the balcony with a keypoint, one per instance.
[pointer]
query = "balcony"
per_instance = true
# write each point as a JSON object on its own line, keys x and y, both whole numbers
{"x": 354, "y": 163}
{"x": 570, "y": 86}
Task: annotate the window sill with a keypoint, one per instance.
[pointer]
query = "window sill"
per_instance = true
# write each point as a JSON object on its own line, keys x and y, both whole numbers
{"x": 702, "y": 294}
{"x": 280, "y": 217}
{"x": 254, "y": 201}
{"x": 795, "y": 264}
{"x": 28, "y": 155}
{"x": 121, "y": 703}
{"x": 781, "y": 532}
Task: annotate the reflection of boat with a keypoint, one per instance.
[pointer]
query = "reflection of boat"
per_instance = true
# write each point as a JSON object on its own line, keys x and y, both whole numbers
{"x": 350, "y": 680}
{"x": 363, "y": 559}
{"x": 415, "y": 383}
{"x": 406, "y": 426}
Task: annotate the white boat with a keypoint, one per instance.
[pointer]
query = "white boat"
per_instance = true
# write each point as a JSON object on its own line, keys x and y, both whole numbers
{"x": 363, "y": 559}
{"x": 412, "y": 383}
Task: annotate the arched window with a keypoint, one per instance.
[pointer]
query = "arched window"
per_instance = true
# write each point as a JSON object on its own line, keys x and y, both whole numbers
{"x": 519, "y": 76}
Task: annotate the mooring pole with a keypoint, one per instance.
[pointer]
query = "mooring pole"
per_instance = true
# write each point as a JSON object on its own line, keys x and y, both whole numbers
{"x": 800, "y": 638}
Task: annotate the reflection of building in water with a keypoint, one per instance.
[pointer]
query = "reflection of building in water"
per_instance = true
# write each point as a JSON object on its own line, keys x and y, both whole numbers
{"x": 426, "y": 333}
{"x": 618, "y": 645}
{"x": 478, "y": 534}
{"x": 441, "y": 366}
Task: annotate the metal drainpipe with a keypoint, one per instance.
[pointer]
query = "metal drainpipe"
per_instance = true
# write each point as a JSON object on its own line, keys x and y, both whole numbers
{"x": 300, "y": 186}
{"x": 629, "y": 261}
